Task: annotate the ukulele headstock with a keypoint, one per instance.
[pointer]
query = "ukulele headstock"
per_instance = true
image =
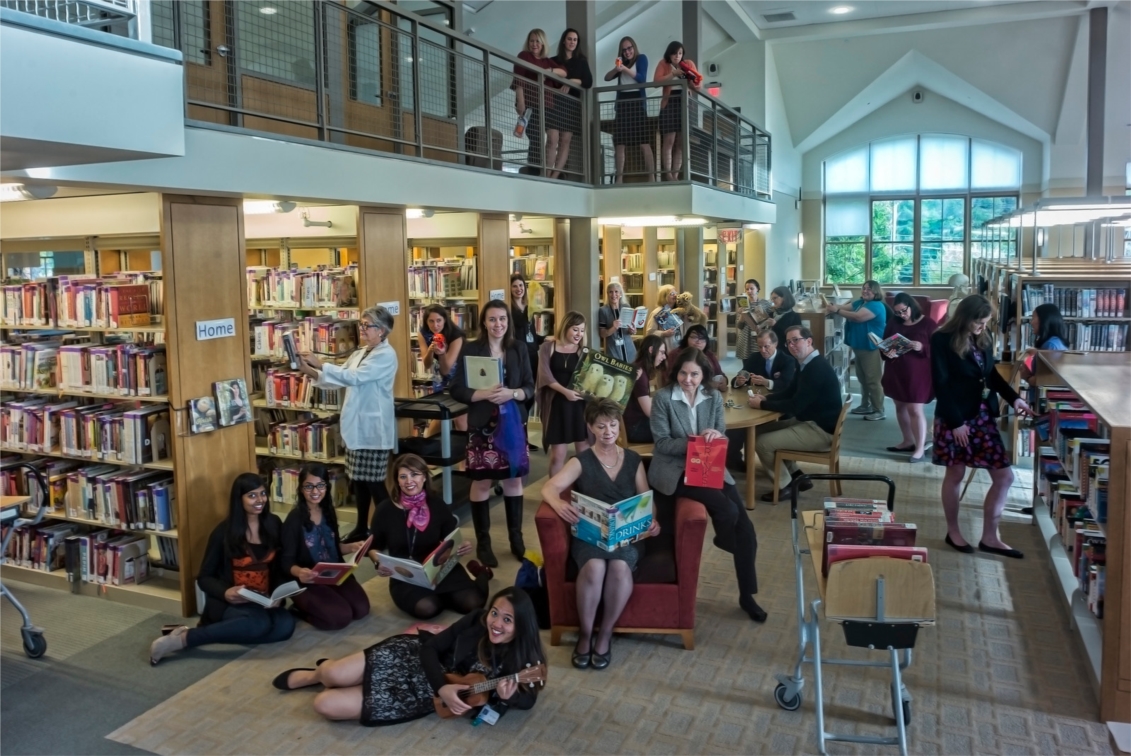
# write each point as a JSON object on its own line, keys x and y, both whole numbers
{"x": 532, "y": 675}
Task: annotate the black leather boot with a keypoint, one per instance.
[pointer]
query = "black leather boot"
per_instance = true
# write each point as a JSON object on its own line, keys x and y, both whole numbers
{"x": 513, "y": 506}
{"x": 481, "y": 521}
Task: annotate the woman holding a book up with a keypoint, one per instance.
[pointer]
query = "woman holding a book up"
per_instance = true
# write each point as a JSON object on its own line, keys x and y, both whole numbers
{"x": 907, "y": 374}
{"x": 615, "y": 329}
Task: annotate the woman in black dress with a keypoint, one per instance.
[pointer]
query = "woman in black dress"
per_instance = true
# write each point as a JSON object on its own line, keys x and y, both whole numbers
{"x": 610, "y": 474}
{"x": 524, "y": 331}
{"x": 410, "y": 525}
{"x": 395, "y": 680}
{"x": 567, "y": 105}
{"x": 561, "y": 408}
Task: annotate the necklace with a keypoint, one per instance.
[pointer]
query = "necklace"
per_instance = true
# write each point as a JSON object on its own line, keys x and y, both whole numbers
{"x": 616, "y": 459}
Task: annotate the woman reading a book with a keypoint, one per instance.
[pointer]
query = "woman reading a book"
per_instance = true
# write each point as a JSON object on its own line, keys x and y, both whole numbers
{"x": 242, "y": 553}
{"x": 867, "y": 315}
{"x": 966, "y": 434}
{"x": 749, "y": 326}
{"x": 649, "y": 377}
{"x": 690, "y": 407}
{"x": 441, "y": 341}
{"x": 616, "y": 333}
{"x": 310, "y": 537}
{"x": 368, "y": 426}
{"x": 561, "y": 408}
{"x": 673, "y": 67}
{"x": 411, "y": 524}
{"x": 907, "y": 375}
{"x": 1049, "y": 333}
{"x": 398, "y": 679}
{"x": 610, "y": 475}
{"x": 659, "y": 322}
{"x": 496, "y": 449}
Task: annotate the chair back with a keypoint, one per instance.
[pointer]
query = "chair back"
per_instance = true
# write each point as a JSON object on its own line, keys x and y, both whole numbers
{"x": 834, "y": 450}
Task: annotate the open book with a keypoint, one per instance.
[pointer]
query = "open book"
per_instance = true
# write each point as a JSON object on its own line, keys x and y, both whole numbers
{"x": 433, "y": 569}
{"x": 610, "y": 526}
{"x": 335, "y": 573}
{"x": 897, "y": 343}
{"x": 666, "y": 320}
{"x": 286, "y": 590}
{"x": 633, "y": 317}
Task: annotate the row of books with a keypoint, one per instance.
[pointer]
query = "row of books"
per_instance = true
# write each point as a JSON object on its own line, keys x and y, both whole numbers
{"x": 321, "y": 334}
{"x": 665, "y": 258}
{"x": 284, "y": 485}
{"x": 632, "y": 281}
{"x": 301, "y": 287}
{"x": 117, "y": 369}
{"x": 1075, "y": 302}
{"x": 632, "y": 262}
{"x": 860, "y": 528}
{"x": 122, "y": 300}
{"x": 294, "y": 390}
{"x": 666, "y": 278}
{"x": 1077, "y": 525}
{"x": 442, "y": 278}
{"x": 318, "y": 439}
{"x": 104, "y": 432}
{"x": 533, "y": 268}
{"x": 1087, "y": 337}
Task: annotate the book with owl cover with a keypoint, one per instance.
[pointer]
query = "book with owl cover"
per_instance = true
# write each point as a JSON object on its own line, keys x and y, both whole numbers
{"x": 599, "y": 376}
{"x": 483, "y": 372}
{"x": 611, "y": 526}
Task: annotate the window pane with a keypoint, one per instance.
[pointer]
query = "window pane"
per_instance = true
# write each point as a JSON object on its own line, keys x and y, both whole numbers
{"x": 994, "y": 166}
{"x": 844, "y": 259}
{"x": 938, "y": 262}
{"x": 280, "y": 45}
{"x": 942, "y": 163}
{"x": 893, "y": 220}
{"x": 893, "y": 263}
{"x": 893, "y": 165}
{"x": 847, "y": 173}
{"x": 990, "y": 242}
{"x": 846, "y": 217}
{"x": 943, "y": 219}
{"x": 365, "y": 61}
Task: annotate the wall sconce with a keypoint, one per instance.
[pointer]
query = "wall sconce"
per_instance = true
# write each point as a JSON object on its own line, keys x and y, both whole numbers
{"x": 801, "y": 241}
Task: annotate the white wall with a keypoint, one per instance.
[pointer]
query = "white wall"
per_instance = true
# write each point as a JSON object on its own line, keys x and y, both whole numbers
{"x": 505, "y": 23}
{"x": 786, "y": 160}
{"x": 783, "y": 258}
{"x": 110, "y": 214}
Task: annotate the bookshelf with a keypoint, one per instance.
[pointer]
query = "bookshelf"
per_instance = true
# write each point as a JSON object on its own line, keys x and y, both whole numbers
{"x": 444, "y": 272}
{"x": 634, "y": 273}
{"x": 828, "y": 337}
{"x": 1098, "y": 384}
{"x": 536, "y": 261}
{"x": 714, "y": 283}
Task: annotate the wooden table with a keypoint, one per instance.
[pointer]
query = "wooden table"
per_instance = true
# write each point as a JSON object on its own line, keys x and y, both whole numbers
{"x": 749, "y": 418}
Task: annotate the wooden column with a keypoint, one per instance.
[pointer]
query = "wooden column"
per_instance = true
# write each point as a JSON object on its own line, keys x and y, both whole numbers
{"x": 612, "y": 265}
{"x": 203, "y": 259}
{"x": 494, "y": 257}
{"x": 382, "y": 239}
{"x": 583, "y": 270}
{"x": 561, "y": 269}
{"x": 689, "y": 256}
{"x": 651, "y": 265}
{"x": 754, "y": 253}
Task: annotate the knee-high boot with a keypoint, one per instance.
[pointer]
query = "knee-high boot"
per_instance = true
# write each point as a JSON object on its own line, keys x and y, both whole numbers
{"x": 481, "y": 521}
{"x": 513, "y": 505}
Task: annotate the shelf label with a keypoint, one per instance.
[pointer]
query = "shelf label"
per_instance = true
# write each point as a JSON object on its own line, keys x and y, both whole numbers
{"x": 215, "y": 329}
{"x": 499, "y": 294}
{"x": 651, "y": 276}
{"x": 394, "y": 308}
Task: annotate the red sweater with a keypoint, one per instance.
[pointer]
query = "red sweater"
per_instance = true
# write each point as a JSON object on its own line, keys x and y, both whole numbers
{"x": 530, "y": 86}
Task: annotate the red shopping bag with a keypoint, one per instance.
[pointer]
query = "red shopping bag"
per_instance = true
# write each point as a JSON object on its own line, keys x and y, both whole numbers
{"x": 705, "y": 462}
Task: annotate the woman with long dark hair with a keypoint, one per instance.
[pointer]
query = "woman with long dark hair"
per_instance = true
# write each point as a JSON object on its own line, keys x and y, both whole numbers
{"x": 671, "y": 108}
{"x": 966, "y": 434}
{"x": 561, "y": 408}
{"x": 567, "y": 106}
{"x": 495, "y": 450}
{"x": 524, "y": 332}
{"x": 650, "y": 365}
{"x": 242, "y": 552}
{"x": 395, "y": 680}
{"x": 630, "y": 124}
{"x": 782, "y": 317}
{"x": 440, "y": 343}
{"x": 310, "y": 536}
{"x": 907, "y": 377}
{"x": 1049, "y": 333}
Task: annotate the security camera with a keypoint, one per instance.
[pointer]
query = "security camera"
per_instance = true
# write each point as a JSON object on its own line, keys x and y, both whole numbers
{"x": 712, "y": 69}
{"x": 917, "y": 96}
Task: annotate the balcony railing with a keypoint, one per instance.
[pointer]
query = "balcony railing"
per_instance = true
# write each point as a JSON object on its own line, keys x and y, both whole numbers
{"x": 114, "y": 16}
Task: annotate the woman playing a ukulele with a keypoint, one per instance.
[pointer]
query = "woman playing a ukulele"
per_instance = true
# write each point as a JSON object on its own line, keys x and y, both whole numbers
{"x": 397, "y": 679}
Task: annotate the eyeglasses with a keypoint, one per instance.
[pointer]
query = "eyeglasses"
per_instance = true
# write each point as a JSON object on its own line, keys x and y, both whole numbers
{"x": 365, "y": 326}
{"x": 902, "y": 312}
{"x": 625, "y": 50}
{"x": 794, "y": 340}
{"x": 312, "y": 487}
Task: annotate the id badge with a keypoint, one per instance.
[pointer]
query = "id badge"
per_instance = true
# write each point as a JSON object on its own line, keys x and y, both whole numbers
{"x": 487, "y": 715}
{"x": 985, "y": 393}
{"x": 529, "y": 337}
{"x": 618, "y": 341}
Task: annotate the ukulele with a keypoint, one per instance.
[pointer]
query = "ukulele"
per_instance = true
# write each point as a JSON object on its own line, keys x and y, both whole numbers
{"x": 480, "y": 687}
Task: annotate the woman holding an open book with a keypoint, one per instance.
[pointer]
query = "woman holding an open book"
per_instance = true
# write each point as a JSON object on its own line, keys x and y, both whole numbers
{"x": 616, "y": 333}
{"x": 410, "y": 525}
{"x": 242, "y": 554}
{"x": 310, "y": 536}
{"x": 609, "y": 474}
{"x": 907, "y": 374}
{"x": 749, "y": 321}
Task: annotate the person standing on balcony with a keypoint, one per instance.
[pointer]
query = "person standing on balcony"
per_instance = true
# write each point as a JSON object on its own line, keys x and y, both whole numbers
{"x": 630, "y": 125}
{"x": 526, "y": 96}
{"x": 672, "y": 68}
{"x": 567, "y": 104}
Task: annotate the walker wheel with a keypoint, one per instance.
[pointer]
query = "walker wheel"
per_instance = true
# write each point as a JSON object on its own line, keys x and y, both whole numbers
{"x": 906, "y": 711}
{"x": 789, "y": 704}
{"x": 35, "y": 645}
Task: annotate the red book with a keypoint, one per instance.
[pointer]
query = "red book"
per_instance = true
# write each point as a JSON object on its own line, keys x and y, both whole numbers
{"x": 705, "y": 462}
{"x": 839, "y": 533}
{"x": 839, "y": 553}
{"x": 129, "y": 305}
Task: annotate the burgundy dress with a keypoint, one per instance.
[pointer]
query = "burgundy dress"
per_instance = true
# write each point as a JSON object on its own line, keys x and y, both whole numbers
{"x": 908, "y": 378}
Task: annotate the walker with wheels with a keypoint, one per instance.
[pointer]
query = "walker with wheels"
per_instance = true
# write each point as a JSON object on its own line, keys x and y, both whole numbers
{"x": 880, "y": 602}
{"x": 35, "y": 645}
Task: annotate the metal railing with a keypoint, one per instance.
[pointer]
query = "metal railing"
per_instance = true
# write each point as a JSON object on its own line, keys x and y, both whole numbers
{"x": 644, "y": 133}
{"x": 114, "y": 16}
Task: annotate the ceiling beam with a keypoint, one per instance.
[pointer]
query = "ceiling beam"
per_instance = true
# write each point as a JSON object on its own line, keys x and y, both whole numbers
{"x": 733, "y": 18}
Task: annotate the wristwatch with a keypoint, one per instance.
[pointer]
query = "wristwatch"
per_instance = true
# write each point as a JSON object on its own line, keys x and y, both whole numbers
{"x": 515, "y": 394}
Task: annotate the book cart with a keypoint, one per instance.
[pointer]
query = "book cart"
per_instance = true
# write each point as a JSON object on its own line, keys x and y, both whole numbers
{"x": 880, "y": 604}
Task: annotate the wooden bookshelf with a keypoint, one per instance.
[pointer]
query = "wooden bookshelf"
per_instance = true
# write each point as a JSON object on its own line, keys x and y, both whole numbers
{"x": 828, "y": 337}
{"x": 537, "y": 261}
{"x": 1100, "y": 380}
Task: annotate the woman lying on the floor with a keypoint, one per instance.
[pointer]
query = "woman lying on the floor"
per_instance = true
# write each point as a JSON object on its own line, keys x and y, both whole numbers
{"x": 243, "y": 551}
{"x": 396, "y": 680}
{"x": 410, "y": 524}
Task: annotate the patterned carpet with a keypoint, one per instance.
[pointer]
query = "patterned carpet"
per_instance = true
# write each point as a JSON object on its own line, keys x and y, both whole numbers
{"x": 1001, "y": 673}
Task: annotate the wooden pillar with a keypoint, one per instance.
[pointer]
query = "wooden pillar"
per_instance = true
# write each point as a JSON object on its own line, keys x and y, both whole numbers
{"x": 612, "y": 265}
{"x": 382, "y": 248}
{"x": 754, "y": 254}
{"x": 494, "y": 258}
{"x": 583, "y": 270}
{"x": 203, "y": 259}
{"x": 561, "y": 269}
{"x": 689, "y": 260}
{"x": 651, "y": 267}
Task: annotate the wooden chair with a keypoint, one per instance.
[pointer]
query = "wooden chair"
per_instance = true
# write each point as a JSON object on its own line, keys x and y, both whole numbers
{"x": 831, "y": 458}
{"x": 644, "y": 450}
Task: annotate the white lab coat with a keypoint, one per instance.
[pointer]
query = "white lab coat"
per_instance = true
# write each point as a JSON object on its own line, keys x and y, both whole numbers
{"x": 368, "y": 419}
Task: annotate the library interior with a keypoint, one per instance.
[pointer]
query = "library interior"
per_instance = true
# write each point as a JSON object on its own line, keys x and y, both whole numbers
{"x": 305, "y": 301}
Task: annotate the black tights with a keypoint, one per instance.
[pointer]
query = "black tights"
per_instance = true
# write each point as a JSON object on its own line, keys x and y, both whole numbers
{"x": 464, "y": 601}
{"x": 366, "y": 492}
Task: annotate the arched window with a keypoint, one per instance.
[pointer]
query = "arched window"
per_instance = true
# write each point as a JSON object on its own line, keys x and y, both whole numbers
{"x": 909, "y": 210}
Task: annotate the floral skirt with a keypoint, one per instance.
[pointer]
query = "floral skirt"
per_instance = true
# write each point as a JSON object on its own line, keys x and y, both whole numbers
{"x": 394, "y": 688}
{"x": 486, "y": 462}
{"x": 984, "y": 448}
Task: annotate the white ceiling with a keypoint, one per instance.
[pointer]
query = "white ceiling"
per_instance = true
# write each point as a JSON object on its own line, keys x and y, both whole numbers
{"x": 809, "y": 12}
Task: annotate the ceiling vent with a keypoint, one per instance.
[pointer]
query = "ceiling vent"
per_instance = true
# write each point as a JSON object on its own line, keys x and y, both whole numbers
{"x": 779, "y": 18}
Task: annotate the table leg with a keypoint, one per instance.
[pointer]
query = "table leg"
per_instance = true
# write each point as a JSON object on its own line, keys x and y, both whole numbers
{"x": 751, "y": 465}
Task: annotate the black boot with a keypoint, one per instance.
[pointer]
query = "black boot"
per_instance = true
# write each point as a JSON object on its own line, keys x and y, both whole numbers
{"x": 481, "y": 520}
{"x": 513, "y": 506}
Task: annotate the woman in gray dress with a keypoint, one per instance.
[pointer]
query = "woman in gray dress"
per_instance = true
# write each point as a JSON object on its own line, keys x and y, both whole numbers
{"x": 608, "y": 473}
{"x": 616, "y": 334}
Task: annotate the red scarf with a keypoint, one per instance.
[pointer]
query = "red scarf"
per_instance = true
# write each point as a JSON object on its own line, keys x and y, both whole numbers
{"x": 416, "y": 510}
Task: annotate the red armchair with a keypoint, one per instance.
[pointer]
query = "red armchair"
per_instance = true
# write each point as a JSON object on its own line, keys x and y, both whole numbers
{"x": 666, "y": 577}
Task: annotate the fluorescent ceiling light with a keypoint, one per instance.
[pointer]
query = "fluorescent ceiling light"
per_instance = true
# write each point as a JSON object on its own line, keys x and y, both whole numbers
{"x": 653, "y": 220}
{"x": 268, "y": 10}
{"x": 840, "y": 10}
{"x": 416, "y": 212}
{"x": 20, "y": 192}
{"x": 756, "y": 226}
{"x": 266, "y": 207}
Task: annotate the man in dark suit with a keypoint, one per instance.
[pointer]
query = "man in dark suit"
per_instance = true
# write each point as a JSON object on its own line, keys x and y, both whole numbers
{"x": 769, "y": 368}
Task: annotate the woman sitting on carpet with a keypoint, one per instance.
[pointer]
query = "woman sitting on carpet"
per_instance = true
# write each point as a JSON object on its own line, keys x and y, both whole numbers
{"x": 396, "y": 680}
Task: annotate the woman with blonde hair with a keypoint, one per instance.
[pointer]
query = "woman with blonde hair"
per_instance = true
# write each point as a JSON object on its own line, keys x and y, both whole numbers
{"x": 616, "y": 335}
{"x": 536, "y": 53}
{"x": 666, "y": 301}
{"x": 562, "y": 410}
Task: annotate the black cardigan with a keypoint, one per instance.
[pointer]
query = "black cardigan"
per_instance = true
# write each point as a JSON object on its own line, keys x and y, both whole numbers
{"x": 215, "y": 576}
{"x": 456, "y": 649}
{"x": 783, "y": 323}
{"x": 959, "y": 381}
{"x": 815, "y": 395}
{"x": 293, "y": 547}
{"x": 518, "y": 376}
{"x": 390, "y": 529}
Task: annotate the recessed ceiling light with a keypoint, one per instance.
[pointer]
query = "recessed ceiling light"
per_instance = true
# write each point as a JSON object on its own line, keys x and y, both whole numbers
{"x": 840, "y": 10}
{"x": 268, "y": 10}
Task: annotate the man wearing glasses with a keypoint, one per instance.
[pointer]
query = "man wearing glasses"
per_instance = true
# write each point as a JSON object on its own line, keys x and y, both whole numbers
{"x": 772, "y": 371}
{"x": 814, "y": 401}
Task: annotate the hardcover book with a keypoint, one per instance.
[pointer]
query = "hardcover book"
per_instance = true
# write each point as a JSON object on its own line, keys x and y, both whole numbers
{"x": 434, "y": 568}
{"x": 483, "y": 372}
{"x": 610, "y": 526}
{"x": 865, "y": 534}
{"x": 839, "y": 553}
{"x": 232, "y": 402}
{"x": 202, "y": 414}
{"x": 599, "y": 376}
{"x": 897, "y": 343}
{"x": 336, "y": 573}
{"x": 705, "y": 462}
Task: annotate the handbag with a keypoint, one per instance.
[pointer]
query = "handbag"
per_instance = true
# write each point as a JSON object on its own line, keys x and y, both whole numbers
{"x": 531, "y": 578}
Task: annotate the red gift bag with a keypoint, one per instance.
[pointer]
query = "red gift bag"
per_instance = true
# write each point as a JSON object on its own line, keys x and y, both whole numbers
{"x": 705, "y": 462}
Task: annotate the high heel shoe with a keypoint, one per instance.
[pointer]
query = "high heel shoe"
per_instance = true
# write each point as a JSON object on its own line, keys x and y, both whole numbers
{"x": 169, "y": 642}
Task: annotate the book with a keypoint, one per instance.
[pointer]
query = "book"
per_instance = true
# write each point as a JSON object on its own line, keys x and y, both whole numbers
{"x": 666, "y": 320}
{"x": 483, "y": 372}
{"x": 635, "y": 317}
{"x": 284, "y": 591}
{"x": 232, "y": 402}
{"x": 705, "y": 462}
{"x": 202, "y": 414}
{"x": 611, "y": 526}
{"x": 291, "y": 350}
{"x": 839, "y": 553}
{"x": 434, "y": 568}
{"x": 599, "y": 376}
{"x": 336, "y": 573}
{"x": 540, "y": 266}
{"x": 840, "y": 532}
{"x": 897, "y": 343}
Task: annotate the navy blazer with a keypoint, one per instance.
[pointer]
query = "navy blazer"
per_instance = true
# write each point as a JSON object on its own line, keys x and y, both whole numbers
{"x": 959, "y": 382}
{"x": 784, "y": 369}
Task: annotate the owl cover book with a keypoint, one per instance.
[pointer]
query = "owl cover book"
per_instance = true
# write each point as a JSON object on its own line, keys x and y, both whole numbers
{"x": 599, "y": 376}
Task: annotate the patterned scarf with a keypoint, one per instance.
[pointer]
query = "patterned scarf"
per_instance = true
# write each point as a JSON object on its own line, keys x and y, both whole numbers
{"x": 416, "y": 510}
